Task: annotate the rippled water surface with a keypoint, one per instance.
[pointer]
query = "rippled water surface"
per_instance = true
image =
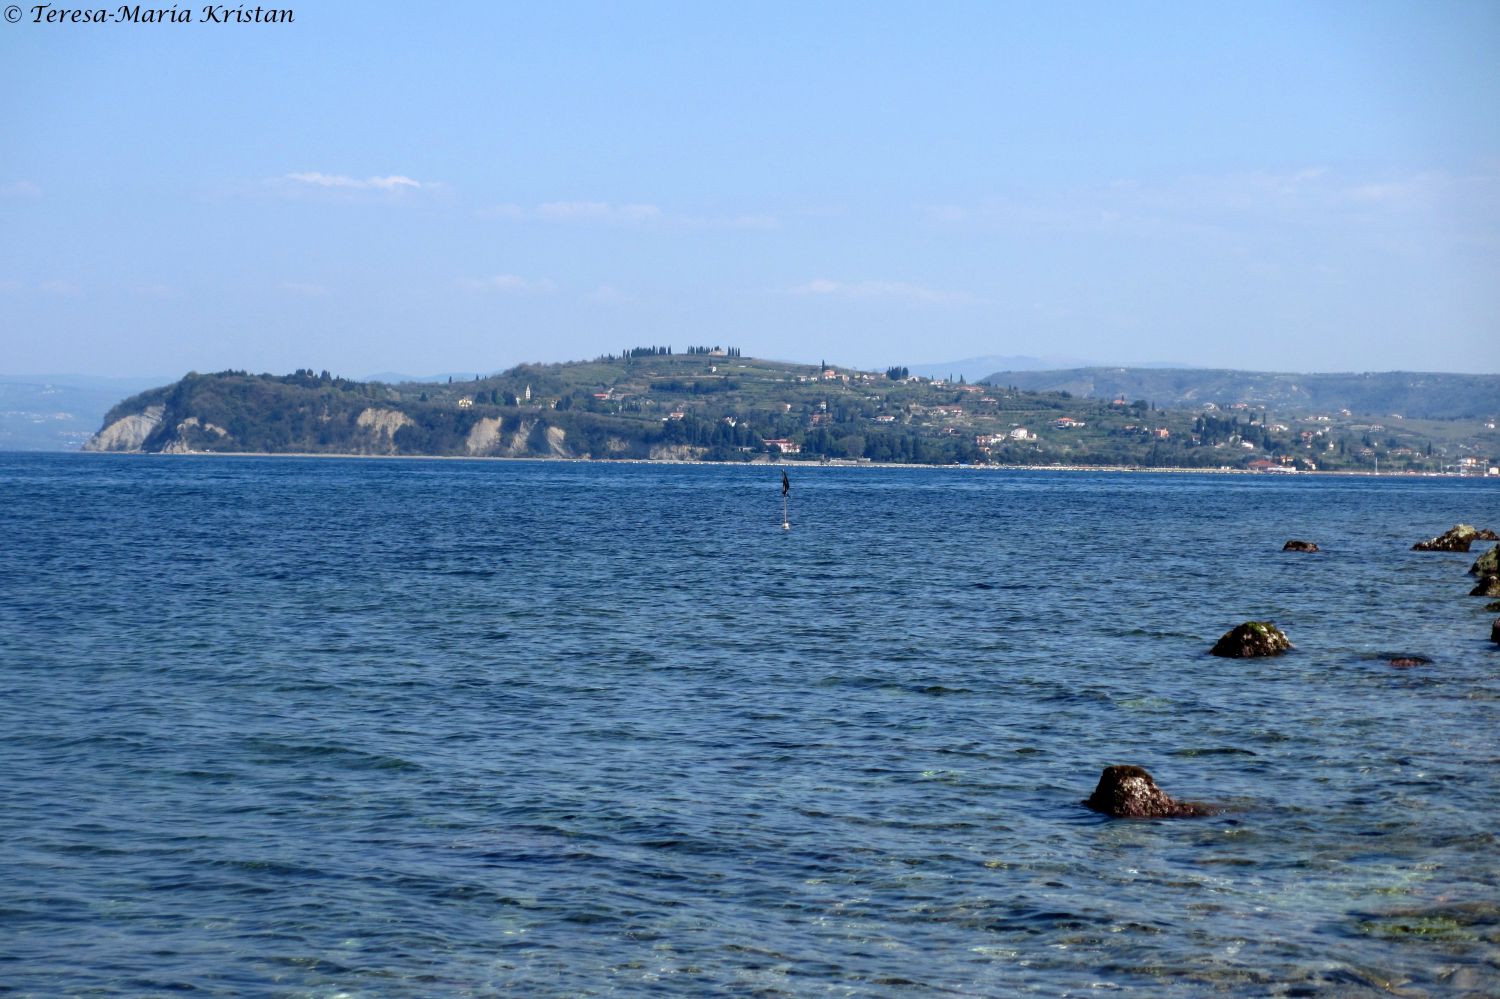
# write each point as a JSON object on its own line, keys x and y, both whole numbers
{"x": 318, "y": 727}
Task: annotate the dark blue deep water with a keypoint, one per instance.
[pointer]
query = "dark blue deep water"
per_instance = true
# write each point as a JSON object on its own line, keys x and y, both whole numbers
{"x": 445, "y": 728}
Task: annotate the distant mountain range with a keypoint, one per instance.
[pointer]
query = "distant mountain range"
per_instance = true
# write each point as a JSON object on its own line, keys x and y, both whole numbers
{"x": 974, "y": 368}
{"x": 1413, "y": 395}
{"x": 397, "y": 378}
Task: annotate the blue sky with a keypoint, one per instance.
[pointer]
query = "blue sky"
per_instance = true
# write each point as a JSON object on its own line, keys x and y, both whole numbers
{"x": 425, "y": 188}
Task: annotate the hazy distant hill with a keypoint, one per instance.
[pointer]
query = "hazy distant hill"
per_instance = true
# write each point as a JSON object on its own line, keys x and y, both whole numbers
{"x": 976, "y": 368}
{"x": 57, "y": 412}
{"x": 1414, "y": 395}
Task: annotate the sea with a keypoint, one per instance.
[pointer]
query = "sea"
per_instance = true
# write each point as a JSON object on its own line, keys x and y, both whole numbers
{"x": 356, "y": 727}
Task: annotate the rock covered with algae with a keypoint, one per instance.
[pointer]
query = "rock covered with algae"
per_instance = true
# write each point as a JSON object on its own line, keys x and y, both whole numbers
{"x": 1456, "y": 539}
{"x": 1299, "y": 546}
{"x": 1127, "y": 792}
{"x": 1488, "y": 586}
{"x": 1487, "y": 564}
{"x": 1253, "y": 638}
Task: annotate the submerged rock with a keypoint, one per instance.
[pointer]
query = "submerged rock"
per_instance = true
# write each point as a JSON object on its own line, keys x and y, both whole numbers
{"x": 1495, "y": 631}
{"x": 1489, "y": 586}
{"x": 1130, "y": 793}
{"x": 1407, "y": 662}
{"x": 1299, "y": 546}
{"x": 1456, "y": 539}
{"x": 1487, "y": 564}
{"x": 1487, "y": 535}
{"x": 1493, "y": 605}
{"x": 1253, "y": 638}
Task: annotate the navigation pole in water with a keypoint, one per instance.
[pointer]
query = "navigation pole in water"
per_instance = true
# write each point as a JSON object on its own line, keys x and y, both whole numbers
{"x": 786, "y": 492}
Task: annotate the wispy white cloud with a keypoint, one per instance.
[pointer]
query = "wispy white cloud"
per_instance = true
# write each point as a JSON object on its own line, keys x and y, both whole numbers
{"x": 513, "y": 283}
{"x": 607, "y": 294}
{"x": 744, "y": 222}
{"x": 632, "y": 213}
{"x": 1229, "y": 203}
{"x": 1470, "y": 193}
{"x": 948, "y": 214}
{"x": 20, "y": 189}
{"x": 578, "y": 211}
{"x": 395, "y": 182}
{"x": 891, "y": 290}
{"x": 1380, "y": 192}
{"x": 596, "y": 211}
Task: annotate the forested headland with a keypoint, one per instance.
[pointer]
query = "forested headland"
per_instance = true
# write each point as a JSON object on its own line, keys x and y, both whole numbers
{"x": 715, "y": 404}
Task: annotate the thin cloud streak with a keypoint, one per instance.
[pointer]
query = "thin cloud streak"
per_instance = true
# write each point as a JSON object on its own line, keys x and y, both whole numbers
{"x": 577, "y": 212}
{"x": 632, "y": 213}
{"x": 509, "y": 283}
{"x": 890, "y": 290}
{"x": 596, "y": 211}
{"x": 1305, "y": 197}
{"x": 608, "y": 294}
{"x": 20, "y": 189}
{"x": 395, "y": 182}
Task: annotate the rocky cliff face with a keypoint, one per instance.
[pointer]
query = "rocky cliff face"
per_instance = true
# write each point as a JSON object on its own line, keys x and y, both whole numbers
{"x": 127, "y": 433}
{"x": 182, "y": 443}
{"x": 382, "y": 425}
{"x": 487, "y": 440}
{"x": 484, "y": 436}
{"x": 676, "y": 452}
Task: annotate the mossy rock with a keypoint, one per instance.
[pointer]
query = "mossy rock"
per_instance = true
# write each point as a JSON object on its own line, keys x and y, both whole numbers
{"x": 1487, "y": 564}
{"x": 1299, "y": 546}
{"x": 1493, "y": 605}
{"x": 1495, "y": 631}
{"x": 1489, "y": 586}
{"x": 1252, "y": 639}
{"x": 1456, "y": 539}
{"x": 1127, "y": 792}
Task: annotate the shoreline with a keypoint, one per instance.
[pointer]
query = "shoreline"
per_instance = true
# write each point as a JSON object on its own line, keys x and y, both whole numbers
{"x": 831, "y": 463}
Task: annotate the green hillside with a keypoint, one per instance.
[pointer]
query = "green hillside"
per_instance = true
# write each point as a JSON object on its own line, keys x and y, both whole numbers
{"x": 725, "y": 407}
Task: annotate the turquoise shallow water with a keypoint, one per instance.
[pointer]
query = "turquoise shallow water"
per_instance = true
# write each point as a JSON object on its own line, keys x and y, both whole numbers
{"x": 343, "y": 727}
